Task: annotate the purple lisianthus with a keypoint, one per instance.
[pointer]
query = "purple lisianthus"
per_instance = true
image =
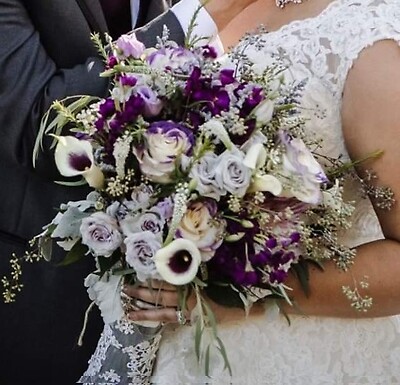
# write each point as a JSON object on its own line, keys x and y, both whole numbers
{"x": 152, "y": 104}
{"x": 165, "y": 141}
{"x": 129, "y": 46}
{"x": 306, "y": 173}
{"x": 174, "y": 59}
{"x": 140, "y": 250}
{"x": 101, "y": 234}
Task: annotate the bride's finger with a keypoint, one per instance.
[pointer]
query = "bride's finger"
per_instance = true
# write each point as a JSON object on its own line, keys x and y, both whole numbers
{"x": 153, "y": 296}
{"x": 157, "y": 284}
{"x": 167, "y": 315}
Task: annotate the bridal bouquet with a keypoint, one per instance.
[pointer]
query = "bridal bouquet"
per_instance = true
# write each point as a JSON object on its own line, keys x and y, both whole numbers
{"x": 202, "y": 177}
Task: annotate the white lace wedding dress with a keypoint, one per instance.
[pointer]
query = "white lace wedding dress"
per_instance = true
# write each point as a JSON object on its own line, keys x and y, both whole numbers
{"x": 311, "y": 350}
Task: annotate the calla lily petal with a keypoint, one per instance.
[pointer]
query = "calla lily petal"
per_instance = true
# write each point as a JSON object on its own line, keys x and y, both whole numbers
{"x": 266, "y": 183}
{"x": 255, "y": 157}
{"x": 94, "y": 177}
{"x": 178, "y": 262}
{"x": 73, "y": 156}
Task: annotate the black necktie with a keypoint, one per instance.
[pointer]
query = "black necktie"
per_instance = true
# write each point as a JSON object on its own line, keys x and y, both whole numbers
{"x": 118, "y": 16}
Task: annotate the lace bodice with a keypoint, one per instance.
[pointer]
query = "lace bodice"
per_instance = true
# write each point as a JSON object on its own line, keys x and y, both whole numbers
{"x": 312, "y": 350}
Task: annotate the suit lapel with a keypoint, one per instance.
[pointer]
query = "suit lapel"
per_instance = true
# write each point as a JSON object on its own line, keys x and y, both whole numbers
{"x": 93, "y": 14}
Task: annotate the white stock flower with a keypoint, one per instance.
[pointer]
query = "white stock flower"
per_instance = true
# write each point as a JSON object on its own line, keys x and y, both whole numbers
{"x": 199, "y": 226}
{"x": 74, "y": 157}
{"x": 178, "y": 262}
{"x": 140, "y": 251}
{"x": 101, "y": 234}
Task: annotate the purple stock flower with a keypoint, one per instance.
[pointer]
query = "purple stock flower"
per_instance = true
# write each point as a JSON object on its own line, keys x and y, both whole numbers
{"x": 107, "y": 108}
{"x": 226, "y": 76}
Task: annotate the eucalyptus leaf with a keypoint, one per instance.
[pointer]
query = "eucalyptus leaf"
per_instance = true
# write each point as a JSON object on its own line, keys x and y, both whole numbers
{"x": 46, "y": 247}
{"x": 207, "y": 361}
{"x": 79, "y": 182}
{"x": 75, "y": 254}
{"x": 198, "y": 334}
{"x": 222, "y": 350}
{"x": 69, "y": 223}
{"x": 106, "y": 263}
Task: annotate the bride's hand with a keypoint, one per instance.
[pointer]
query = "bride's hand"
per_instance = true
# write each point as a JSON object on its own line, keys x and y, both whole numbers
{"x": 160, "y": 301}
{"x": 224, "y": 11}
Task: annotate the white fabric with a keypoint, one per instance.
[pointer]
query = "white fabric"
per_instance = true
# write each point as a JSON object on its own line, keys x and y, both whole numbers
{"x": 205, "y": 26}
{"x": 135, "y": 4}
{"x": 312, "y": 350}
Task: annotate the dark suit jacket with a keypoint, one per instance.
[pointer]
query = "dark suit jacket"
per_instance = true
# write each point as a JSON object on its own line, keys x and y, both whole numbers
{"x": 46, "y": 54}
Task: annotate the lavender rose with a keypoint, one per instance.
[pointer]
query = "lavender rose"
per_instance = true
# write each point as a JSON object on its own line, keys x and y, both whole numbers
{"x": 149, "y": 221}
{"x": 298, "y": 162}
{"x": 232, "y": 174}
{"x": 204, "y": 174}
{"x": 200, "y": 226}
{"x": 100, "y": 233}
{"x": 164, "y": 142}
{"x": 140, "y": 250}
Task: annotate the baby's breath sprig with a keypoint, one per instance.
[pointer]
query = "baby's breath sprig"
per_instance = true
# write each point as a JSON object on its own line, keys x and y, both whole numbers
{"x": 119, "y": 186}
{"x": 12, "y": 285}
{"x": 361, "y": 303}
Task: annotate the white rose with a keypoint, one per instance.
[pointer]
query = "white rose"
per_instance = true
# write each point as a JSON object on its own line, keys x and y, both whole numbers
{"x": 264, "y": 112}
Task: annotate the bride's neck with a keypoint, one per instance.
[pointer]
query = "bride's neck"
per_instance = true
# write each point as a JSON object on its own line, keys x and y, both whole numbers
{"x": 266, "y": 13}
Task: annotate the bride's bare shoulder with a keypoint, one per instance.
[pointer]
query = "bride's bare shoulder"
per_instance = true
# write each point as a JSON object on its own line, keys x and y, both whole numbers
{"x": 371, "y": 119}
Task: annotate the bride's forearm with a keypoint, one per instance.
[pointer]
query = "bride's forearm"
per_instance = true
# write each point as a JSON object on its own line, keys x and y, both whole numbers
{"x": 379, "y": 261}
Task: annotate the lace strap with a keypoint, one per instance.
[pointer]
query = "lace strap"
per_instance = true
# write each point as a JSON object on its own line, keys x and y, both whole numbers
{"x": 370, "y": 21}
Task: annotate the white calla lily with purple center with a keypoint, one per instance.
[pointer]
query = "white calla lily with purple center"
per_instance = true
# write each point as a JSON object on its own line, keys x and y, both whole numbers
{"x": 300, "y": 163}
{"x": 165, "y": 142}
{"x": 178, "y": 262}
{"x": 74, "y": 157}
{"x": 255, "y": 159}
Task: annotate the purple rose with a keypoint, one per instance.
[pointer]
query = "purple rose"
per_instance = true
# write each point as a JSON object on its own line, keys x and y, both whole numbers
{"x": 164, "y": 143}
{"x": 100, "y": 233}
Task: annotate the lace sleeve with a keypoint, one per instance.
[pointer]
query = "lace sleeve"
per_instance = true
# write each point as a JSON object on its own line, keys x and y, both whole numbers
{"x": 370, "y": 21}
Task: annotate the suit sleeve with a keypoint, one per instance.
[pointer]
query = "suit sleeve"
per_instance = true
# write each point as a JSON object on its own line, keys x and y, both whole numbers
{"x": 29, "y": 82}
{"x": 149, "y": 33}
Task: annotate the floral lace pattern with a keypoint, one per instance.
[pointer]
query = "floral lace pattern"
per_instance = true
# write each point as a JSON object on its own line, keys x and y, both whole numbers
{"x": 312, "y": 350}
{"x": 124, "y": 355}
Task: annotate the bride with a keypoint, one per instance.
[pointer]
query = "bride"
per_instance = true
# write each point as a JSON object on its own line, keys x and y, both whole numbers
{"x": 348, "y": 51}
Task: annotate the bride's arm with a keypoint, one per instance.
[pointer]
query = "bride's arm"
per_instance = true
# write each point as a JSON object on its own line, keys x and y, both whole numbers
{"x": 371, "y": 121}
